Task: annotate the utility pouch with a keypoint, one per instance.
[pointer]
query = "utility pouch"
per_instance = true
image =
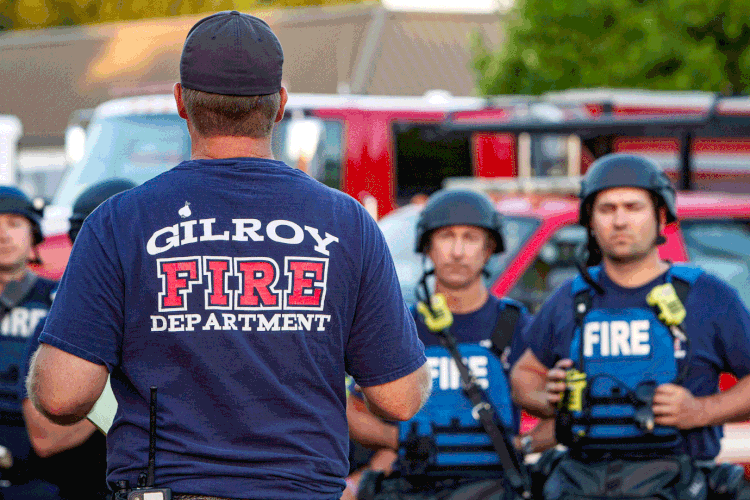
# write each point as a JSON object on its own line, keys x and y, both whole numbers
{"x": 669, "y": 478}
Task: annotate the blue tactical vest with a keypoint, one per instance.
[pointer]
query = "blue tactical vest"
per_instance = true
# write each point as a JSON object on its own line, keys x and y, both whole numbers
{"x": 456, "y": 438}
{"x": 625, "y": 353}
{"x": 20, "y": 315}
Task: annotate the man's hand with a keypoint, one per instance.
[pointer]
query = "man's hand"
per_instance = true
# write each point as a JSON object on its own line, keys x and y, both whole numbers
{"x": 532, "y": 386}
{"x": 555, "y": 384}
{"x": 676, "y": 406}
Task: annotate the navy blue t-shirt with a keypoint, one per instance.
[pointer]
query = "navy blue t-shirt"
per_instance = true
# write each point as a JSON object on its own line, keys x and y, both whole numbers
{"x": 477, "y": 327}
{"x": 717, "y": 324}
{"x": 245, "y": 291}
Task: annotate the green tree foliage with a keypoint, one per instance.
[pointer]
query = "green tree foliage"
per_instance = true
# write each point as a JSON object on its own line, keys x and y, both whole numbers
{"x": 22, "y": 14}
{"x": 654, "y": 44}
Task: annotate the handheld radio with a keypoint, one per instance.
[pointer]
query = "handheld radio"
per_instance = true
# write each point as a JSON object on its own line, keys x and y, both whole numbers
{"x": 145, "y": 489}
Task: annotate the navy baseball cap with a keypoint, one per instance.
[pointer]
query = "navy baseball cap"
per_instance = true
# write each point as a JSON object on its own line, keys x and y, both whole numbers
{"x": 230, "y": 53}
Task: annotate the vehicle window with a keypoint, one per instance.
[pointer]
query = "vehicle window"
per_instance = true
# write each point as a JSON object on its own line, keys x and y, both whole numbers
{"x": 325, "y": 165}
{"x": 135, "y": 147}
{"x": 722, "y": 248}
{"x": 399, "y": 229}
{"x": 554, "y": 265}
{"x": 424, "y": 159}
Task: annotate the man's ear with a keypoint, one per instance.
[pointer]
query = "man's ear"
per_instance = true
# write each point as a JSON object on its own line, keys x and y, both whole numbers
{"x": 178, "y": 100}
{"x": 662, "y": 218}
{"x": 282, "y": 104}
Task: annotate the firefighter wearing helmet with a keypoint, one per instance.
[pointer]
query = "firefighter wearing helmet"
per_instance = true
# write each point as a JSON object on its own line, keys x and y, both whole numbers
{"x": 458, "y": 232}
{"x": 627, "y": 356}
{"x": 25, "y": 299}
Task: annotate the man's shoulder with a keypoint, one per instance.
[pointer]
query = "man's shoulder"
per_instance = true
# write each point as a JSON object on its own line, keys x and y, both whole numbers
{"x": 503, "y": 303}
{"x": 559, "y": 304}
{"x": 707, "y": 287}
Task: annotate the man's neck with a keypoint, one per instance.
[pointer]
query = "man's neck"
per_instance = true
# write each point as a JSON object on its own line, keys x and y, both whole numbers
{"x": 465, "y": 300}
{"x": 8, "y": 276}
{"x": 210, "y": 148}
{"x": 635, "y": 273}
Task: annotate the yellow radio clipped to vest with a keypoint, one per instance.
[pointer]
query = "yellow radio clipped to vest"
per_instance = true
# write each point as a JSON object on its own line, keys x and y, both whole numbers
{"x": 671, "y": 310}
{"x": 439, "y": 317}
{"x": 576, "y": 382}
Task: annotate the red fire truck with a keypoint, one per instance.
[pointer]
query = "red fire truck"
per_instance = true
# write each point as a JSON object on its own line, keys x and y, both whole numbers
{"x": 385, "y": 150}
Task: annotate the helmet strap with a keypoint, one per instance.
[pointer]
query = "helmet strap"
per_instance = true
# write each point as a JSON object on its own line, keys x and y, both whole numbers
{"x": 423, "y": 290}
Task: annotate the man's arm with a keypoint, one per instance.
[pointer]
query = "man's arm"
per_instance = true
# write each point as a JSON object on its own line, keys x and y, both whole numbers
{"x": 64, "y": 387}
{"x": 536, "y": 388}
{"x": 542, "y": 436}
{"x": 402, "y": 398}
{"x": 48, "y": 438}
{"x": 367, "y": 429}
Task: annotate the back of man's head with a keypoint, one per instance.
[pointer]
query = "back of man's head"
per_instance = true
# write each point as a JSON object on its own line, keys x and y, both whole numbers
{"x": 14, "y": 201}
{"x": 230, "y": 73}
{"x": 93, "y": 197}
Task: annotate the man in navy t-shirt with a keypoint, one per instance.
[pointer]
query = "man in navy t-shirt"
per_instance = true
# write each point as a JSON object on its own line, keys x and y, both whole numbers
{"x": 628, "y": 355}
{"x": 459, "y": 231}
{"x": 242, "y": 289}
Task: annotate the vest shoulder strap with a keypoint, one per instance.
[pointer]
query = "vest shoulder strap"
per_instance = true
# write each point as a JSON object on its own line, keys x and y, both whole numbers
{"x": 582, "y": 294}
{"x": 579, "y": 283}
{"x": 685, "y": 273}
{"x": 507, "y": 320}
{"x": 682, "y": 277}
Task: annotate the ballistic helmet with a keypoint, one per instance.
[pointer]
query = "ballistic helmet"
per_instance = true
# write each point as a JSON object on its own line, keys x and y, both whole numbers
{"x": 93, "y": 197}
{"x": 459, "y": 208}
{"x": 625, "y": 170}
{"x": 14, "y": 201}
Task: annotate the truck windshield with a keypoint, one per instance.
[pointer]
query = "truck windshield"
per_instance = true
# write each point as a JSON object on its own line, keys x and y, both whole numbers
{"x": 135, "y": 147}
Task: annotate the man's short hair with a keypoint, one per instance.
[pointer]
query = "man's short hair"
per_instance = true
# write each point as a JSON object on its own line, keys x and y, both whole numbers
{"x": 231, "y": 115}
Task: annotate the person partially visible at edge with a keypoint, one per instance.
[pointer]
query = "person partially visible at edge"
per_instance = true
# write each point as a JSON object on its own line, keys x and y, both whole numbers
{"x": 74, "y": 456}
{"x": 239, "y": 287}
{"x": 459, "y": 232}
{"x": 606, "y": 324}
{"x": 25, "y": 299}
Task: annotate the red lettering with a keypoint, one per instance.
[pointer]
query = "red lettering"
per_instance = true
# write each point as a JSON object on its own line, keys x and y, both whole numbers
{"x": 217, "y": 294}
{"x": 257, "y": 278}
{"x": 178, "y": 276}
{"x": 307, "y": 283}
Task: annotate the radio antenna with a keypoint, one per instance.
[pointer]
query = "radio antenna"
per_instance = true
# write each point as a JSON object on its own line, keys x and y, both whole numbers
{"x": 152, "y": 439}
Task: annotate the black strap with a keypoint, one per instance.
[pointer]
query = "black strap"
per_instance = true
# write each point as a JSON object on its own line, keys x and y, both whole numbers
{"x": 581, "y": 306}
{"x": 682, "y": 289}
{"x": 505, "y": 327}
